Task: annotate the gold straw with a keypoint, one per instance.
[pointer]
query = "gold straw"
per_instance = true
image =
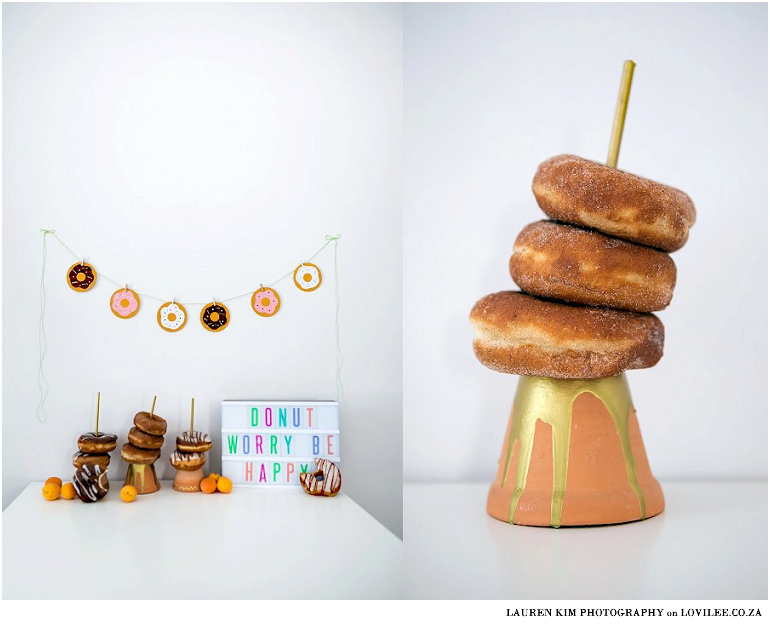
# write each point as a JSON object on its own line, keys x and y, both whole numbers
{"x": 620, "y": 113}
{"x": 192, "y": 415}
{"x": 152, "y": 410}
{"x": 98, "y": 398}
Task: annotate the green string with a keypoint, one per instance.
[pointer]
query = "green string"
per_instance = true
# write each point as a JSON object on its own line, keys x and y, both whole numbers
{"x": 42, "y": 382}
{"x": 329, "y": 239}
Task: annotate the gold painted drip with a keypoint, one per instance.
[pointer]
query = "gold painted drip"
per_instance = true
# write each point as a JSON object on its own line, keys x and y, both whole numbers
{"x": 550, "y": 400}
{"x": 136, "y": 471}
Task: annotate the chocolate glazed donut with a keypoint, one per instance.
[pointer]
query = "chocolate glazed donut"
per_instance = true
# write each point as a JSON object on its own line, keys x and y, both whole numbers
{"x": 93, "y": 443}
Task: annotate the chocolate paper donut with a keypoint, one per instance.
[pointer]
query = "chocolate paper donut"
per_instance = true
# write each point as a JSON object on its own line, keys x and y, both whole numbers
{"x": 81, "y": 277}
{"x": 215, "y": 317}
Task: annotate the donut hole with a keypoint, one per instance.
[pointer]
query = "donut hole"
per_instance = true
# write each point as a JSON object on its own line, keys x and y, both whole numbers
{"x": 266, "y": 301}
{"x": 318, "y": 476}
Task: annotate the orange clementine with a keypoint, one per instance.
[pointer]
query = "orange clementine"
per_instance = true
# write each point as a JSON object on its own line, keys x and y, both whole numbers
{"x": 214, "y": 476}
{"x": 51, "y": 491}
{"x": 224, "y": 484}
{"x": 68, "y": 491}
{"x": 128, "y": 493}
{"x": 54, "y": 480}
{"x": 208, "y": 485}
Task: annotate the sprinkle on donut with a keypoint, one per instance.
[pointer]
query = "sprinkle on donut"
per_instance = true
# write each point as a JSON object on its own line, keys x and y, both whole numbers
{"x": 81, "y": 277}
{"x": 172, "y": 317}
{"x": 215, "y": 317}
{"x": 307, "y": 277}
{"x": 265, "y": 302}
{"x": 124, "y": 303}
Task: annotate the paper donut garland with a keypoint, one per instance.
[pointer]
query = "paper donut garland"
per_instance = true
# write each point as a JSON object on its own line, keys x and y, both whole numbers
{"x": 215, "y": 317}
{"x": 124, "y": 303}
{"x": 265, "y": 302}
{"x": 172, "y": 316}
{"x": 307, "y": 277}
{"x": 81, "y": 277}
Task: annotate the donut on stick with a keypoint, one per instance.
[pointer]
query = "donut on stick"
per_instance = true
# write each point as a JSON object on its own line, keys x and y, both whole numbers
{"x": 189, "y": 457}
{"x": 572, "y": 413}
{"x": 143, "y": 449}
{"x": 558, "y": 261}
{"x": 94, "y": 450}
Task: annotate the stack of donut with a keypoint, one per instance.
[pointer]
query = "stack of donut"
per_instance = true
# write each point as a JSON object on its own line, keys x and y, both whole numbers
{"x": 144, "y": 439}
{"x": 590, "y": 277}
{"x": 190, "y": 454}
{"x": 91, "y": 462}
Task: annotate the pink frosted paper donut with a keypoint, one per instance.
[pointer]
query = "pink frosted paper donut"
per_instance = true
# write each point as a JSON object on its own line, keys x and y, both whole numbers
{"x": 265, "y": 302}
{"x": 124, "y": 303}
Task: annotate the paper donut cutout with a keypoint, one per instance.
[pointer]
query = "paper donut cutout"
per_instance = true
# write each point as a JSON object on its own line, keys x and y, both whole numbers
{"x": 215, "y": 317}
{"x": 81, "y": 277}
{"x": 307, "y": 277}
{"x": 172, "y": 317}
{"x": 265, "y": 302}
{"x": 124, "y": 303}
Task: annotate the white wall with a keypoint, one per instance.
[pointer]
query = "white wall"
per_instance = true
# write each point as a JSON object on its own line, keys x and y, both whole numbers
{"x": 194, "y": 151}
{"x": 490, "y": 91}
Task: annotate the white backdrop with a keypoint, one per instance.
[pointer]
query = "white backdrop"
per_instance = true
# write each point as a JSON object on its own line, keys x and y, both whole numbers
{"x": 195, "y": 151}
{"x": 492, "y": 90}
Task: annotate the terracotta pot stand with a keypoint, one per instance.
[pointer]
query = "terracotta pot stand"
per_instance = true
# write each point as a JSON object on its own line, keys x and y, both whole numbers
{"x": 143, "y": 478}
{"x": 573, "y": 455}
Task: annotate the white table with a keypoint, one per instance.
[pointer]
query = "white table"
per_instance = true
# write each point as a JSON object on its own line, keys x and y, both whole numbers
{"x": 248, "y": 544}
{"x": 709, "y": 543}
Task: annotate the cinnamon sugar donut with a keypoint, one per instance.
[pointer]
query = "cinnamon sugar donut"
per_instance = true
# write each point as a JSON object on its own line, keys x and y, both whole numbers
{"x": 135, "y": 455}
{"x": 525, "y": 335}
{"x": 584, "y": 267}
{"x": 582, "y": 192}
{"x": 143, "y": 440}
{"x": 150, "y": 423}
